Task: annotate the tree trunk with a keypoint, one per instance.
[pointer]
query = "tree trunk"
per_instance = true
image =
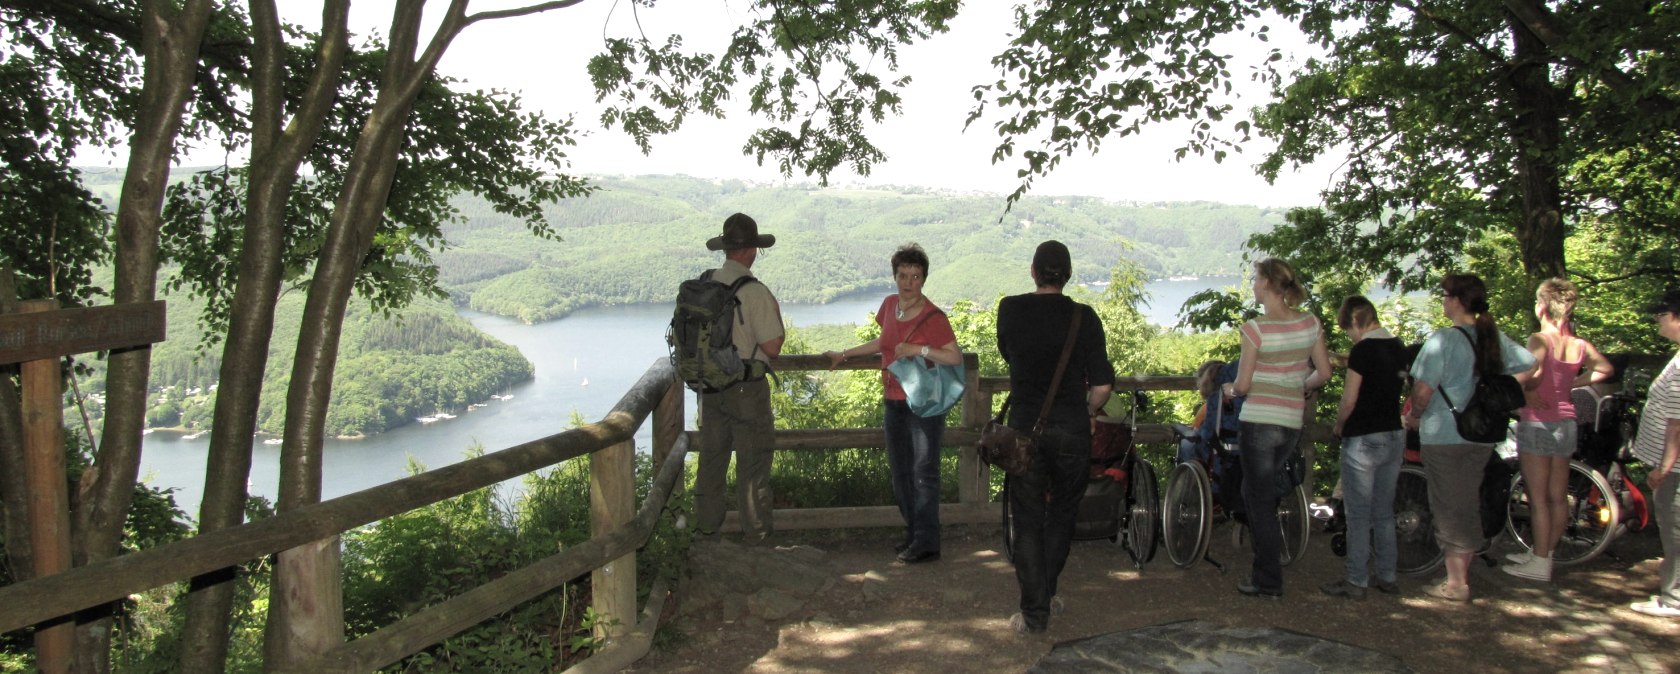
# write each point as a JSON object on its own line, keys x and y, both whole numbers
{"x": 304, "y": 618}
{"x": 1538, "y": 137}
{"x": 170, "y": 46}
{"x": 276, "y": 153}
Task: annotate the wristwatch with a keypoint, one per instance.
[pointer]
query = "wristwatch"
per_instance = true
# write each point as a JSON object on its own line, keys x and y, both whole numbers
{"x": 924, "y": 351}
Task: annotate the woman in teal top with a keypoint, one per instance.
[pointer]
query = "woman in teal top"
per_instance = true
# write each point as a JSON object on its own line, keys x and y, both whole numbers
{"x": 1448, "y": 362}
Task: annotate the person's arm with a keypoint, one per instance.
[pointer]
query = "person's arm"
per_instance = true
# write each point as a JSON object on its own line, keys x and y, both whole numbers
{"x": 1321, "y": 365}
{"x": 1245, "y": 370}
{"x": 1096, "y": 397}
{"x": 1422, "y": 393}
{"x": 835, "y": 358}
{"x": 772, "y": 347}
{"x": 1594, "y": 368}
{"x": 948, "y": 354}
{"x": 1530, "y": 379}
{"x": 1671, "y": 455}
{"x": 1350, "y": 396}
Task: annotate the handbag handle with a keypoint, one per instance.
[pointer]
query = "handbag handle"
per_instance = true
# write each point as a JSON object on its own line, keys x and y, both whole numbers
{"x": 1061, "y": 367}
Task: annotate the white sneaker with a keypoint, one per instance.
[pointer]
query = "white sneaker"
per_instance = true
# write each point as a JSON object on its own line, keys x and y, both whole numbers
{"x": 1655, "y": 607}
{"x": 1536, "y": 568}
{"x": 1520, "y": 557}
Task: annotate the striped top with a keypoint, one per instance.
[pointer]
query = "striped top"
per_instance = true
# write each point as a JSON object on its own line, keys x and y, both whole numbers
{"x": 1282, "y": 350}
{"x": 1662, "y": 407}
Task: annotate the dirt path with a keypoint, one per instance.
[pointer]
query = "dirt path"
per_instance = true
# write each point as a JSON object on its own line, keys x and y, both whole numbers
{"x": 871, "y": 615}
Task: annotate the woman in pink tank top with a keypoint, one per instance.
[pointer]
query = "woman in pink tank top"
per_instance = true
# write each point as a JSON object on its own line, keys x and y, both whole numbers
{"x": 1546, "y": 427}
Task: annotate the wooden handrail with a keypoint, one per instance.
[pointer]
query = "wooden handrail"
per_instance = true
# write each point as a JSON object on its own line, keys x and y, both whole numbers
{"x": 61, "y": 594}
{"x": 444, "y": 619}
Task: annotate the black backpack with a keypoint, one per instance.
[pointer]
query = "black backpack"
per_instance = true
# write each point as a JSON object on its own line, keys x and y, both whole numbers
{"x": 701, "y": 336}
{"x": 1492, "y": 405}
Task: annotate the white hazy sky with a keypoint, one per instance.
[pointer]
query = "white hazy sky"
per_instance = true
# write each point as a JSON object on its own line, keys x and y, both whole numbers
{"x": 542, "y": 58}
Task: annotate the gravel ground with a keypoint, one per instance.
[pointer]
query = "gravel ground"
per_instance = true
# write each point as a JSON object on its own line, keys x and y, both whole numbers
{"x": 951, "y": 615}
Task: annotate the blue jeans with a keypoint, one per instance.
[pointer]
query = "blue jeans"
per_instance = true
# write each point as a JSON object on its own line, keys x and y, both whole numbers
{"x": 1043, "y": 504}
{"x": 913, "y": 455}
{"x": 1370, "y": 467}
{"x": 1264, "y": 449}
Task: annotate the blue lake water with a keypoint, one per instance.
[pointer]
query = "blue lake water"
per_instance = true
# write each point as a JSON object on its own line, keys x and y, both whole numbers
{"x": 584, "y": 364}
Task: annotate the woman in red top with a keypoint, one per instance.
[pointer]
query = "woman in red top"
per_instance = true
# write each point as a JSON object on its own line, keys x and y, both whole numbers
{"x": 911, "y": 327}
{"x": 1546, "y": 427}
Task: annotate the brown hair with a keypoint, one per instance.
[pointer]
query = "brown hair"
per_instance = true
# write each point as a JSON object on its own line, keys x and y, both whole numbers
{"x": 1280, "y": 277}
{"x": 1205, "y": 376}
{"x": 911, "y": 254}
{"x": 1470, "y": 292}
{"x": 1558, "y": 297}
{"x": 1356, "y": 310}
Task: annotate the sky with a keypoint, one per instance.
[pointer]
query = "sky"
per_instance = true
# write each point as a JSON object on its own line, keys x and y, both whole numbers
{"x": 542, "y": 58}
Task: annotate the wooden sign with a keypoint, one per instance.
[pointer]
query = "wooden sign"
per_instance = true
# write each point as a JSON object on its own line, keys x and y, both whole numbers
{"x": 61, "y": 332}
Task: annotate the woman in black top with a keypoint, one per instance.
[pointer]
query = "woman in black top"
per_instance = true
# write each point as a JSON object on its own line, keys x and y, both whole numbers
{"x": 1373, "y": 444}
{"x": 1031, "y": 331}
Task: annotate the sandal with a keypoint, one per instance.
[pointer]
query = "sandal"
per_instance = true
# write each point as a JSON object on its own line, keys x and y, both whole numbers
{"x": 1442, "y": 590}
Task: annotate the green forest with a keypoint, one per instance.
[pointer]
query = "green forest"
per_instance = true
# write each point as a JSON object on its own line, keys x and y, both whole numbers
{"x": 392, "y": 369}
{"x": 635, "y": 239}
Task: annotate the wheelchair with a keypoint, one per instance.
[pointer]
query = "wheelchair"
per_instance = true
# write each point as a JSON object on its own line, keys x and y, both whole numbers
{"x": 1191, "y": 508}
{"x": 1122, "y": 499}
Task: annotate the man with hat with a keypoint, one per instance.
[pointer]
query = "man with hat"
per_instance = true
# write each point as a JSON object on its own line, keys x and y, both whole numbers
{"x": 1658, "y": 447}
{"x": 739, "y": 417}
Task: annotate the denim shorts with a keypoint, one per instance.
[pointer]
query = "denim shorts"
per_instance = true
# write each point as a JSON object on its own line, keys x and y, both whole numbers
{"x": 1546, "y": 438}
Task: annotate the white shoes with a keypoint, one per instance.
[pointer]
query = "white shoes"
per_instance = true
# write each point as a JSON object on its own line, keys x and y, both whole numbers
{"x": 1520, "y": 557}
{"x": 1536, "y": 568}
{"x": 1654, "y": 606}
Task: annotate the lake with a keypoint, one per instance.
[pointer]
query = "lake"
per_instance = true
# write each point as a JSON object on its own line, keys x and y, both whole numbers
{"x": 584, "y": 363}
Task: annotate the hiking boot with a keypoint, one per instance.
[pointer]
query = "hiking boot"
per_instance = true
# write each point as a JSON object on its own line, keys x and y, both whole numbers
{"x": 1386, "y": 586}
{"x": 1537, "y": 568}
{"x": 1342, "y": 588}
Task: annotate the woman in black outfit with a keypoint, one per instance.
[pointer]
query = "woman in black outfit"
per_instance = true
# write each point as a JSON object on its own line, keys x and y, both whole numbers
{"x": 1031, "y": 332}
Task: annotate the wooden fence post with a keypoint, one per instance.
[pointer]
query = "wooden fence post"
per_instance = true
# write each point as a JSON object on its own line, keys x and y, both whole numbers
{"x": 48, "y": 493}
{"x": 612, "y": 504}
{"x": 974, "y": 477}
{"x": 667, "y": 423}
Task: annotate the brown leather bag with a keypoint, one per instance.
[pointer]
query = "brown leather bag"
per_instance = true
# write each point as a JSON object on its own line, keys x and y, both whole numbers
{"x": 1013, "y": 451}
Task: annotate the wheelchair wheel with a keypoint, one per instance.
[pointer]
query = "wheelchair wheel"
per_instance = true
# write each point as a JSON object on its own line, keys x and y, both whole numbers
{"x": 1414, "y": 528}
{"x": 1008, "y": 526}
{"x": 1142, "y": 519}
{"x": 1590, "y": 512}
{"x": 1187, "y": 514}
{"x": 1293, "y": 517}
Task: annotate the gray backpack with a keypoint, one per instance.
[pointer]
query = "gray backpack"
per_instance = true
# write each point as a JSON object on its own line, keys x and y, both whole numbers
{"x": 701, "y": 336}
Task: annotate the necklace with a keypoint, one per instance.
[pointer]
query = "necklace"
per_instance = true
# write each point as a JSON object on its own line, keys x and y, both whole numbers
{"x": 904, "y": 311}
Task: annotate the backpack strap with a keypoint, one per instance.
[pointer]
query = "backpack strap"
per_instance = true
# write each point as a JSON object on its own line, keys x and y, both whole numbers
{"x": 1475, "y": 369}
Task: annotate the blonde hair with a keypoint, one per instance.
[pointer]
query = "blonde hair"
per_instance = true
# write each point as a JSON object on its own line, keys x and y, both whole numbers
{"x": 1557, "y": 297}
{"x": 1280, "y": 277}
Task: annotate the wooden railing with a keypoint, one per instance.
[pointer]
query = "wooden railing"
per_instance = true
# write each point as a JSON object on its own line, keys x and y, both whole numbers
{"x": 618, "y": 527}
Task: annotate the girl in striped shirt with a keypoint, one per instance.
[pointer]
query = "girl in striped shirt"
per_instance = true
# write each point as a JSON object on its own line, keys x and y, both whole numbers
{"x": 1283, "y": 357}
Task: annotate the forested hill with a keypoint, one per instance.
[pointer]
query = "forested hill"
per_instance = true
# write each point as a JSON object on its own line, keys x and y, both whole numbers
{"x": 637, "y": 238}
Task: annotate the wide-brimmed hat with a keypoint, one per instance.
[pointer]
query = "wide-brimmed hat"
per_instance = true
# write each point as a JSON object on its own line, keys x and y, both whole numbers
{"x": 739, "y": 231}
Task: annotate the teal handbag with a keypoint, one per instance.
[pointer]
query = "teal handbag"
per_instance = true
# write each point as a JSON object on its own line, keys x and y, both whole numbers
{"x": 931, "y": 389}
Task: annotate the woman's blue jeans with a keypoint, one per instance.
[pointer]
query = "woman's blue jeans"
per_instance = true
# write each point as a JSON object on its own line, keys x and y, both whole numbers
{"x": 1264, "y": 449}
{"x": 913, "y": 456}
{"x": 1370, "y": 468}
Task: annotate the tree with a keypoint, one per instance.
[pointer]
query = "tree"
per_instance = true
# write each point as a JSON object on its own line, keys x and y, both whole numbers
{"x": 1459, "y": 119}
